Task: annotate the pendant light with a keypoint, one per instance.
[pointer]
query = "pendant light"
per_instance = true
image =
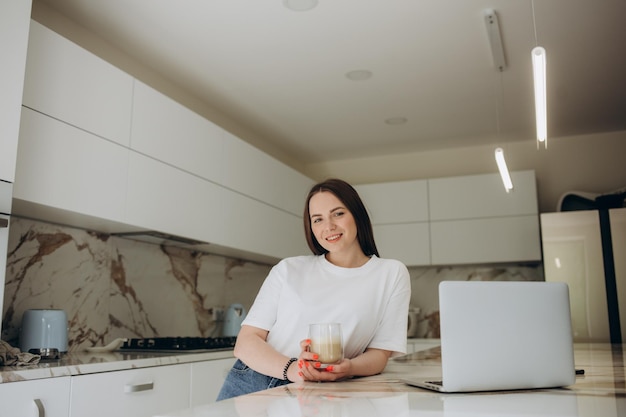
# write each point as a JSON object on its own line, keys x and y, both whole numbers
{"x": 538, "y": 55}
{"x": 504, "y": 171}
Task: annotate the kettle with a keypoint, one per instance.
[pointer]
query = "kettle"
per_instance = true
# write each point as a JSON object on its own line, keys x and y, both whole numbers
{"x": 233, "y": 319}
{"x": 413, "y": 324}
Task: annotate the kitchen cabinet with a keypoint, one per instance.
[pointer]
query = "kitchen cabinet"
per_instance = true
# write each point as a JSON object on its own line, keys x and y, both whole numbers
{"x": 169, "y": 132}
{"x": 173, "y": 134}
{"x": 71, "y": 84}
{"x": 83, "y": 161}
{"x": 209, "y": 213}
{"x": 500, "y": 239}
{"x": 141, "y": 392}
{"x": 399, "y": 215}
{"x": 66, "y": 168}
{"x": 37, "y": 398}
{"x": 14, "y": 26}
{"x": 409, "y": 243}
{"x": 396, "y": 202}
{"x": 481, "y": 196}
{"x": 473, "y": 220}
{"x": 164, "y": 198}
{"x": 261, "y": 177}
{"x": 207, "y": 379}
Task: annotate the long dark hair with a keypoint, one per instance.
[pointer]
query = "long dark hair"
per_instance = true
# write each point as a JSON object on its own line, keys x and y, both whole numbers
{"x": 350, "y": 198}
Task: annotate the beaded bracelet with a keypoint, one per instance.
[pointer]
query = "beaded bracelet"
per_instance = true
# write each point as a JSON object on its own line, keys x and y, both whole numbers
{"x": 286, "y": 368}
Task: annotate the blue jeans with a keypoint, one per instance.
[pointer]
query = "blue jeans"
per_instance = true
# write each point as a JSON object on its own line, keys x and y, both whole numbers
{"x": 243, "y": 380}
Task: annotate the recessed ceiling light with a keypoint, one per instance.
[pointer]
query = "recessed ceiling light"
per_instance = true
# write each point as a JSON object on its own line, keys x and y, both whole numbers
{"x": 396, "y": 120}
{"x": 300, "y": 5}
{"x": 359, "y": 75}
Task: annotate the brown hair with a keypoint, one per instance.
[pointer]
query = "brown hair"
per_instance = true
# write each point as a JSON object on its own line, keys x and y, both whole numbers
{"x": 350, "y": 198}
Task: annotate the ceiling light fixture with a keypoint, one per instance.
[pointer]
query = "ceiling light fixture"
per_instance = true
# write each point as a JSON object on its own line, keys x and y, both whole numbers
{"x": 538, "y": 55}
{"x": 504, "y": 171}
{"x": 359, "y": 75}
{"x": 541, "y": 111}
{"x": 495, "y": 40}
{"x": 300, "y": 5}
{"x": 396, "y": 120}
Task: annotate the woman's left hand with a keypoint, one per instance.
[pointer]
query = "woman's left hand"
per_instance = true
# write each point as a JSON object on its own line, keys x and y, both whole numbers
{"x": 312, "y": 371}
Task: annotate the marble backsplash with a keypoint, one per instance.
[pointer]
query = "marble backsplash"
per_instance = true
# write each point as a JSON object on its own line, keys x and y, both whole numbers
{"x": 113, "y": 287}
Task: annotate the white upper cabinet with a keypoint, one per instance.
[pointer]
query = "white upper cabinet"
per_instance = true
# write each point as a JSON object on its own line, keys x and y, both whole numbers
{"x": 67, "y": 168}
{"x": 258, "y": 175}
{"x": 169, "y": 200}
{"x": 169, "y": 132}
{"x": 396, "y": 202}
{"x": 71, "y": 84}
{"x": 399, "y": 214}
{"x": 258, "y": 228}
{"x": 497, "y": 239}
{"x": 480, "y": 196}
{"x": 409, "y": 243}
{"x": 14, "y": 23}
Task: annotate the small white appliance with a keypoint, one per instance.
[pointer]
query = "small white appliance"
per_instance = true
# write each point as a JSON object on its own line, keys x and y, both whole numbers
{"x": 44, "y": 332}
{"x": 233, "y": 319}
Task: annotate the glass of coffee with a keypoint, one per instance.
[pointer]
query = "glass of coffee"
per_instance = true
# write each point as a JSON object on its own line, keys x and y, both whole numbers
{"x": 327, "y": 342}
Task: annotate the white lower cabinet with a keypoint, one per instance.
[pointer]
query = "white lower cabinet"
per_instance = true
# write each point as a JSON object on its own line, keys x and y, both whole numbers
{"x": 207, "y": 379}
{"x": 140, "y": 392}
{"x": 37, "y": 398}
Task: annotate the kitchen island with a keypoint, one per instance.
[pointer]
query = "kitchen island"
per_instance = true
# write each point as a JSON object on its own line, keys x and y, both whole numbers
{"x": 601, "y": 391}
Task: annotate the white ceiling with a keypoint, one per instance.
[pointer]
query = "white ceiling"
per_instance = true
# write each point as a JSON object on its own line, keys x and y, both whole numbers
{"x": 281, "y": 73}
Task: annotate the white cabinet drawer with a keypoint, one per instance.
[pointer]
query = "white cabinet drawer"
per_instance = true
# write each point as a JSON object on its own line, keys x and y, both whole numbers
{"x": 207, "y": 379}
{"x": 132, "y": 393}
{"x": 42, "y": 397}
{"x": 71, "y": 84}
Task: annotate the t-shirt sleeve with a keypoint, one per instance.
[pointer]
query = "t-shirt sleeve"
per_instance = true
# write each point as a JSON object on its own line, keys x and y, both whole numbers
{"x": 392, "y": 332}
{"x": 263, "y": 312}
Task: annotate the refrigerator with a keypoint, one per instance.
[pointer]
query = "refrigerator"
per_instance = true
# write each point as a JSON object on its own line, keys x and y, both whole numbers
{"x": 587, "y": 250}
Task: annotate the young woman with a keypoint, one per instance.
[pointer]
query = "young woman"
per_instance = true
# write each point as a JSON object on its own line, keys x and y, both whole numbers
{"x": 344, "y": 282}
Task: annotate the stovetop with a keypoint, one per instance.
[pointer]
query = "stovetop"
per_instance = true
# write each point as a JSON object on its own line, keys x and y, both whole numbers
{"x": 178, "y": 344}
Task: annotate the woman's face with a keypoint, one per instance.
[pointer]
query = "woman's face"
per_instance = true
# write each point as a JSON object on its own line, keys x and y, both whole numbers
{"x": 332, "y": 224}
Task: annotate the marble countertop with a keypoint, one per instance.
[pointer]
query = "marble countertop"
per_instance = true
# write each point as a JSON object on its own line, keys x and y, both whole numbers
{"x": 81, "y": 363}
{"x": 601, "y": 391}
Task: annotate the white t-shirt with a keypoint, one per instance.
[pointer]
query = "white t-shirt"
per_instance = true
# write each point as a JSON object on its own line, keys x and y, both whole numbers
{"x": 371, "y": 303}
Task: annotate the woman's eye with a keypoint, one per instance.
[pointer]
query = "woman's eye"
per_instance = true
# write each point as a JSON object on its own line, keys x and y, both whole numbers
{"x": 317, "y": 220}
{"x": 339, "y": 213}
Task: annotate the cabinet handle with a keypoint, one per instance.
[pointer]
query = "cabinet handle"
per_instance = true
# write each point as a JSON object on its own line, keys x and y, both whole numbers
{"x": 139, "y": 387}
{"x": 41, "y": 411}
{"x": 4, "y": 223}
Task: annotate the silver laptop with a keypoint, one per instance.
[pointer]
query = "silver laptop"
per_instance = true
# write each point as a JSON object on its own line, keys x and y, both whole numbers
{"x": 503, "y": 336}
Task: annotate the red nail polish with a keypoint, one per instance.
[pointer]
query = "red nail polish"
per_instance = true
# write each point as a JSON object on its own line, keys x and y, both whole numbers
{"x": 329, "y": 368}
{"x": 307, "y": 341}
{"x": 316, "y": 357}
{"x": 317, "y": 364}
{"x": 300, "y": 373}
{"x": 300, "y": 364}
{"x": 307, "y": 364}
